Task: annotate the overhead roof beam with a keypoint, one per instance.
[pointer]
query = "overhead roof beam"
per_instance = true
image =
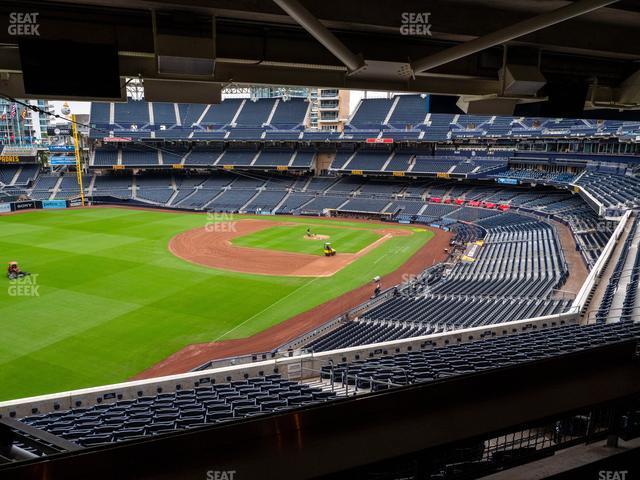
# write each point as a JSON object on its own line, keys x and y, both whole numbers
{"x": 321, "y": 33}
{"x": 509, "y": 33}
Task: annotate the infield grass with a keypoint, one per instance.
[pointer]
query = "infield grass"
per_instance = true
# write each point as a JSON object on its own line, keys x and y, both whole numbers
{"x": 294, "y": 239}
{"x": 112, "y": 300}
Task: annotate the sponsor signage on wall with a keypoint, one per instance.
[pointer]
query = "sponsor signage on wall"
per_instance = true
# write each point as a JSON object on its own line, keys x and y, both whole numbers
{"x": 9, "y": 150}
{"x": 17, "y": 159}
{"x": 5, "y": 207}
{"x": 116, "y": 139}
{"x": 61, "y": 148}
{"x": 17, "y": 206}
{"x": 54, "y": 204}
{"x": 59, "y": 131}
{"x": 507, "y": 181}
{"x": 62, "y": 160}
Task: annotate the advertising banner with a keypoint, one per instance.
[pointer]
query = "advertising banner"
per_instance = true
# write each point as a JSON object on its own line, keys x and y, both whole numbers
{"x": 5, "y": 207}
{"x": 61, "y": 148}
{"x": 19, "y": 151}
{"x": 62, "y": 160}
{"x": 508, "y": 181}
{"x": 17, "y": 206}
{"x": 59, "y": 131}
{"x": 54, "y": 204}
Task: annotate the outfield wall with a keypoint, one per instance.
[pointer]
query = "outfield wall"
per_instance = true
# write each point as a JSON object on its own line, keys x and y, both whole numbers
{"x": 299, "y": 367}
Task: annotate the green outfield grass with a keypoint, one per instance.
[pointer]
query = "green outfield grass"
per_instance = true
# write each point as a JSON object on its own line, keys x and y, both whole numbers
{"x": 110, "y": 300}
{"x": 294, "y": 239}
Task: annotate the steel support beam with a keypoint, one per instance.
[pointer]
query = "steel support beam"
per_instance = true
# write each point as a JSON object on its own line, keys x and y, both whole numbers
{"x": 321, "y": 33}
{"x": 509, "y": 33}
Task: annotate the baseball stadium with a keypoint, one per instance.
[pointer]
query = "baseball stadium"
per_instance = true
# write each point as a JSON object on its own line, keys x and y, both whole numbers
{"x": 426, "y": 265}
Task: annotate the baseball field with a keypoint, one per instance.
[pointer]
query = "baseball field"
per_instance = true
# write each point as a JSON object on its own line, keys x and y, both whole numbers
{"x": 109, "y": 298}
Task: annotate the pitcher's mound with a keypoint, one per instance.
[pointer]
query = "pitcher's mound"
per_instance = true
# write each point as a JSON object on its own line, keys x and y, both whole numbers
{"x": 316, "y": 237}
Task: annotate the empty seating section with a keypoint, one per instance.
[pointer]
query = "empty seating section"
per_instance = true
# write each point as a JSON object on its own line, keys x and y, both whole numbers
{"x": 7, "y": 173}
{"x": 405, "y": 318}
{"x": 410, "y": 110}
{"x": 438, "y": 127}
{"x": 202, "y": 156}
{"x": 380, "y": 188}
{"x": 522, "y": 260}
{"x": 511, "y": 278}
{"x": 112, "y": 185}
{"x": 320, "y": 184}
{"x": 346, "y": 185}
{"x": 472, "y": 214}
{"x": 46, "y": 182}
{"x": 237, "y": 157}
{"x": 541, "y": 175}
{"x": 431, "y": 364}
{"x": 431, "y": 165}
{"x": 255, "y": 113}
{"x": 159, "y": 196}
{"x": 282, "y": 134}
{"x": 319, "y": 204}
{"x": 164, "y": 114}
{"x": 371, "y": 113}
{"x": 364, "y": 160}
{"x": 365, "y": 205}
{"x": 294, "y": 202}
{"x": 403, "y": 117}
{"x": 399, "y": 162}
{"x": 340, "y": 160}
{"x": 303, "y": 159}
{"x": 631, "y": 304}
{"x": 244, "y": 133}
{"x": 437, "y": 210}
{"x": 208, "y": 135}
{"x": 131, "y": 113}
{"x": 265, "y": 201}
{"x": 183, "y": 409}
{"x": 221, "y": 114}
{"x": 173, "y": 156}
{"x": 157, "y": 189}
{"x": 273, "y": 158}
{"x": 197, "y": 199}
{"x": 140, "y": 156}
{"x": 105, "y": 157}
{"x": 290, "y": 113}
{"x": 231, "y": 200}
{"x": 624, "y": 266}
{"x": 69, "y": 185}
{"x": 247, "y": 182}
{"x": 190, "y": 113}
{"x": 405, "y": 208}
{"x": 99, "y": 114}
{"x": 612, "y": 190}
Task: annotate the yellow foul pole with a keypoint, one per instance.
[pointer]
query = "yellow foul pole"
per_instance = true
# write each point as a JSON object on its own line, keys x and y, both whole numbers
{"x": 76, "y": 145}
